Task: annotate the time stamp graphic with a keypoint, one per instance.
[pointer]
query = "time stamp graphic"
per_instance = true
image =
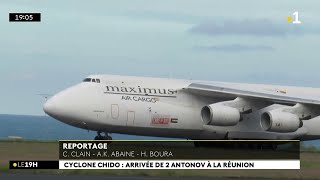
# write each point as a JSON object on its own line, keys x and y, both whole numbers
{"x": 24, "y": 17}
{"x": 36, "y": 17}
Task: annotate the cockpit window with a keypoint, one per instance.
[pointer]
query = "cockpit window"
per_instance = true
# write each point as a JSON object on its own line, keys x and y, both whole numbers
{"x": 87, "y": 80}
{"x": 91, "y": 80}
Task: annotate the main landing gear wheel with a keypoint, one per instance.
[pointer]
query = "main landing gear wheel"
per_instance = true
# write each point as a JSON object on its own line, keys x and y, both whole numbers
{"x": 100, "y": 137}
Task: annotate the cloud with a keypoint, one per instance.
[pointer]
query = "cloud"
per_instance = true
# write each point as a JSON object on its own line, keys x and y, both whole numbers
{"x": 258, "y": 27}
{"x": 235, "y": 48}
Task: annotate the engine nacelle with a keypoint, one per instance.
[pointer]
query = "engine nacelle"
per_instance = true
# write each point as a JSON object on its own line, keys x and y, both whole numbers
{"x": 220, "y": 115}
{"x": 278, "y": 121}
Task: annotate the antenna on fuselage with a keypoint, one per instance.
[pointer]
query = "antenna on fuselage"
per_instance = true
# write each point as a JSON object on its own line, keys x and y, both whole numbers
{"x": 45, "y": 97}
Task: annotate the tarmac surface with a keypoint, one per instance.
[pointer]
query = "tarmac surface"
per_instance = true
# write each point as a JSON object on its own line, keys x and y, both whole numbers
{"x": 10, "y": 176}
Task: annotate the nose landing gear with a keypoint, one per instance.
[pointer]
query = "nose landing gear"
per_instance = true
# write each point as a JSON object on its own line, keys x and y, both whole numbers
{"x": 100, "y": 137}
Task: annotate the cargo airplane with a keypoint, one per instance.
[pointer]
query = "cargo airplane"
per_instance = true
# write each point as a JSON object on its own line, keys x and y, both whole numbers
{"x": 188, "y": 109}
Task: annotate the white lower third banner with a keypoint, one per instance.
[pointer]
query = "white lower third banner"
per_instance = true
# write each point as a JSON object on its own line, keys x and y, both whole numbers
{"x": 179, "y": 164}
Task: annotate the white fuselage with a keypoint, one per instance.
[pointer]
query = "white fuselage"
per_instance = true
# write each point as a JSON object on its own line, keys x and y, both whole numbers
{"x": 161, "y": 107}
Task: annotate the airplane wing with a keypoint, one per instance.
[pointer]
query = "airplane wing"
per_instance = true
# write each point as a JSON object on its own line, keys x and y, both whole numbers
{"x": 286, "y": 114}
{"x": 248, "y": 92}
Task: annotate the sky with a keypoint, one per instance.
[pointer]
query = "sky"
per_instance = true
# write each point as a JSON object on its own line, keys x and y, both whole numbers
{"x": 234, "y": 41}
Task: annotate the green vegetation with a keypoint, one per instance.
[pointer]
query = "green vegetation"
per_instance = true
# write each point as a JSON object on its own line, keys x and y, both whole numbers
{"x": 19, "y": 150}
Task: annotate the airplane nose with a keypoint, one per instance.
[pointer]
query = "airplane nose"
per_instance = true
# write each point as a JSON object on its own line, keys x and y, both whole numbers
{"x": 64, "y": 105}
{"x": 50, "y": 107}
{"x": 60, "y": 106}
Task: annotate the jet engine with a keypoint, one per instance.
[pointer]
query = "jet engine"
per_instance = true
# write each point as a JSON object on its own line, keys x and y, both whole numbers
{"x": 279, "y": 121}
{"x": 220, "y": 115}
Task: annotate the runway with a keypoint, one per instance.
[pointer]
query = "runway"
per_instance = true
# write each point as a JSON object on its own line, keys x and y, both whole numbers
{"x": 9, "y": 176}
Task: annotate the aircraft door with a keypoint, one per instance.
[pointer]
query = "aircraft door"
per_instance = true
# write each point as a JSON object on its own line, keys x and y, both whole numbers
{"x": 131, "y": 117}
{"x": 114, "y": 111}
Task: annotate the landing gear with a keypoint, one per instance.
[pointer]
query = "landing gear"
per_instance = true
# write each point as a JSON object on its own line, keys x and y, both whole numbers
{"x": 100, "y": 137}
